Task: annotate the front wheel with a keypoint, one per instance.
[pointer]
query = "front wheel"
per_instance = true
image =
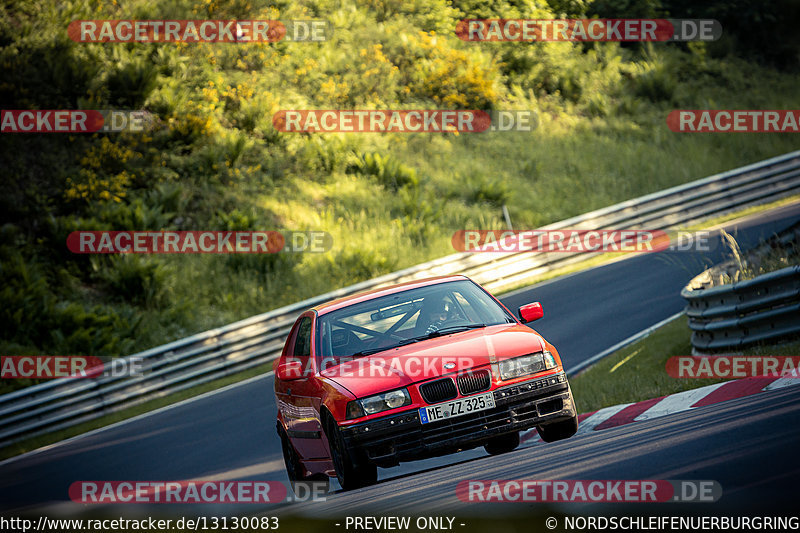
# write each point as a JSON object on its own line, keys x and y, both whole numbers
{"x": 350, "y": 475}
{"x": 558, "y": 430}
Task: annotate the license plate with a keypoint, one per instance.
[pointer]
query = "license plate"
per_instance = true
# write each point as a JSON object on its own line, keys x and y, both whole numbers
{"x": 460, "y": 407}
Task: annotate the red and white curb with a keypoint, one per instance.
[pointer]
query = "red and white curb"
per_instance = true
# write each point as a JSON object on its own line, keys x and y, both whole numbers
{"x": 619, "y": 415}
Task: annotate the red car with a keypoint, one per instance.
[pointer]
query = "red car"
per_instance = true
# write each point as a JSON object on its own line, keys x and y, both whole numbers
{"x": 417, "y": 370}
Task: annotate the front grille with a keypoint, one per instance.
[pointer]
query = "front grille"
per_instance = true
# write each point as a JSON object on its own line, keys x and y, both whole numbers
{"x": 402, "y": 437}
{"x": 474, "y": 382}
{"x": 438, "y": 391}
{"x": 521, "y": 412}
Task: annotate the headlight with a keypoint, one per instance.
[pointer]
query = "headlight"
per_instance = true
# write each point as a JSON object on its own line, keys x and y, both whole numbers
{"x": 396, "y": 398}
{"x": 526, "y": 364}
{"x": 378, "y": 403}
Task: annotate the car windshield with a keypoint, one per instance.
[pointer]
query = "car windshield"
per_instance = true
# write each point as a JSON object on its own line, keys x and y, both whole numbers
{"x": 405, "y": 317}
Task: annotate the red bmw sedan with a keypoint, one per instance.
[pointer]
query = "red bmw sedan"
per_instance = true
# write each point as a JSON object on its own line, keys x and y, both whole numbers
{"x": 416, "y": 370}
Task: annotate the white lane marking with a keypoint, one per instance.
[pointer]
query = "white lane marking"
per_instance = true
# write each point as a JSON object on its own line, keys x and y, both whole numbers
{"x": 779, "y": 383}
{"x": 591, "y": 422}
{"x": 674, "y": 403}
{"x": 680, "y": 401}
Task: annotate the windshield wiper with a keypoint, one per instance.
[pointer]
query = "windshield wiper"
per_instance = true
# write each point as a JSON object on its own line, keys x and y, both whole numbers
{"x": 401, "y": 343}
{"x": 371, "y": 351}
{"x": 411, "y": 340}
{"x": 453, "y": 329}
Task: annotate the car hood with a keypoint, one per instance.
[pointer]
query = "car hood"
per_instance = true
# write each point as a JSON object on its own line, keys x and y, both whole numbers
{"x": 432, "y": 358}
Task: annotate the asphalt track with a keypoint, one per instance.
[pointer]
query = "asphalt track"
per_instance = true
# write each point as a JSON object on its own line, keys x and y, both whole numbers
{"x": 748, "y": 445}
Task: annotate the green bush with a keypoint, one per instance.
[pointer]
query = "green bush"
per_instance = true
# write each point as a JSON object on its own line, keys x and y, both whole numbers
{"x": 132, "y": 278}
{"x": 390, "y": 172}
{"x": 389, "y": 200}
{"x": 482, "y": 189}
{"x": 359, "y": 264}
{"x": 653, "y": 78}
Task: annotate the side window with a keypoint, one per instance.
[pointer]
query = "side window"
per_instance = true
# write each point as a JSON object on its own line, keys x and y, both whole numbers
{"x": 302, "y": 344}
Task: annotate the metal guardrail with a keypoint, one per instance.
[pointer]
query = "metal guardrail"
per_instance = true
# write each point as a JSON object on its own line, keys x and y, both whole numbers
{"x": 733, "y": 316}
{"x": 212, "y": 354}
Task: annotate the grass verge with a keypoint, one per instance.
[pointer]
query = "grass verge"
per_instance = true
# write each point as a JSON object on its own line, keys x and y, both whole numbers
{"x": 638, "y": 372}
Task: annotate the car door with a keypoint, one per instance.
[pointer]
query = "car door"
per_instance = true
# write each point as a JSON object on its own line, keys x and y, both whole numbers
{"x": 299, "y": 399}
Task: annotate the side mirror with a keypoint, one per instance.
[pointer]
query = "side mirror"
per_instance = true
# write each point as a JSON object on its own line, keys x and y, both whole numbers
{"x": 289, "y": 370}
{"x": 531, "y": 312}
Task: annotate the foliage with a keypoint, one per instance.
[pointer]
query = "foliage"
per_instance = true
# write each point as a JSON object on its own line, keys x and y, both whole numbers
{"x": 389, "y": 201}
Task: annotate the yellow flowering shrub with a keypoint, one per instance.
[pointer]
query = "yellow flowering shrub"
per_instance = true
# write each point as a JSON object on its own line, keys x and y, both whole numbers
{"x": 103, "y": 175}
{"x": 432, "y": 69}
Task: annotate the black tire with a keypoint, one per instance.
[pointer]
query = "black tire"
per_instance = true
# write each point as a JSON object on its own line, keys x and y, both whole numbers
{"x": 559, "y": 430}
{"x": 294, "y": 470}
{"x": 502, "y": 444}
{"x": 350, "y": 475}
{"x": 293, "y": 467}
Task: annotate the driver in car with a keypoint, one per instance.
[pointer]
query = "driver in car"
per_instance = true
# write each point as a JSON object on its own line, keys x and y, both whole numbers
{"x": 437, "y": 315}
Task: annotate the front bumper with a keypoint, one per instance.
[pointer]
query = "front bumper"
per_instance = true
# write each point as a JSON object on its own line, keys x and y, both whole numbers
{"x": 401, "y": 437}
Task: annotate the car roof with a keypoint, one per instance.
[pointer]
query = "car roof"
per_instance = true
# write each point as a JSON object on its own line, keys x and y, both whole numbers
{"x": 339, "y": 303}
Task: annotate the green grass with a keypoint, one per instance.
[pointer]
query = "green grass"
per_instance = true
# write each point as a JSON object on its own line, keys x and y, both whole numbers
{"x": 638, "y": 372}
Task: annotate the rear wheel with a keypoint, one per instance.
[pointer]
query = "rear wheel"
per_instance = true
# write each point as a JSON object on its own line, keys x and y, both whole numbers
{"x": 502, "y": 444}
{"x": 559, "y": 430}
{"x": 349, "y": 474}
